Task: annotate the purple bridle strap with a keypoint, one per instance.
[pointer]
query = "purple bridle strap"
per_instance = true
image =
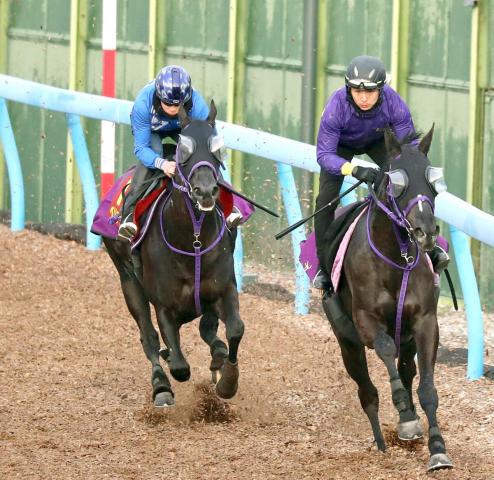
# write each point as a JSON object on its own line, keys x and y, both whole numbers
{"x": 196, "y": 244}
{"x": 398, "y": 219}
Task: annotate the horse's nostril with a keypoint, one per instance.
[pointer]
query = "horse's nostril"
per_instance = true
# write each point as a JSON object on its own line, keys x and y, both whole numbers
{"x": 215, "y": 190}
{"x": 196, "y": 190}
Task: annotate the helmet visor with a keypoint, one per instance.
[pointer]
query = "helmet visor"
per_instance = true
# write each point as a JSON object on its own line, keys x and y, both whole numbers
{"x": 362, "y": 84}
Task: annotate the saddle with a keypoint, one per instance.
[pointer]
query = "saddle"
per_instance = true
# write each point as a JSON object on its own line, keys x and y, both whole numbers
{"x": 342, "y": 222}
{"x": 344, "y": 218}
{"x": 107, "y": 218}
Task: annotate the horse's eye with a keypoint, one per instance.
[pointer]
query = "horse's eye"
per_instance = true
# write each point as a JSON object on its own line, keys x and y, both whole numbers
{"x": 399, "y": 182}
{"x": 435, "y": 177}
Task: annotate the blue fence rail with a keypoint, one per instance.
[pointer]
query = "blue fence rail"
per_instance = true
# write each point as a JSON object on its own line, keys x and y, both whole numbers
{"x": 463, "y": 218}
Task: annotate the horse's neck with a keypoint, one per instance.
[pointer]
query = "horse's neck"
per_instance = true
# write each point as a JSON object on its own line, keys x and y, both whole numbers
{"x": 383, "y": 234}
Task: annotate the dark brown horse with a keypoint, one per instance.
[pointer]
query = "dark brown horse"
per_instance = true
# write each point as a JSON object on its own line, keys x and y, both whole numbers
{"x": 187, "y": 267}
{"x": 387, "y": 299}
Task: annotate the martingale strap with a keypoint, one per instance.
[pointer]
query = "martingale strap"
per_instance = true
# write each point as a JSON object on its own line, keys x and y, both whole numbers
{"x": 399, "y": 223}
{"x": 196, "y": 244}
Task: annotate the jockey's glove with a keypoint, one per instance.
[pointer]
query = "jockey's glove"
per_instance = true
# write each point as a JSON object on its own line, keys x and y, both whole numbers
{"x": 365, "y": 174}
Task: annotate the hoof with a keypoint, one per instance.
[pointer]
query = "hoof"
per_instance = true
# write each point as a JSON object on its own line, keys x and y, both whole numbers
{"x": 411, "y": 430}
{"x": 218, "y": 358}
{"x": 181, "y": 374}
{"x": 164, "y": 400}
{"x": 228, "y": 384}
{"x": 438, "y": 461}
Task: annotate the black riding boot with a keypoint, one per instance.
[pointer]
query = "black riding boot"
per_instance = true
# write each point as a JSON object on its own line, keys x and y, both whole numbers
{"x": 135, "y": 190}
{"x": 329, "y": 187}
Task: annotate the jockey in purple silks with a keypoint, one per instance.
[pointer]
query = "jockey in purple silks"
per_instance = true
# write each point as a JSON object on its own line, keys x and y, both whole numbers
{"x": 154, "y": 117}
{"x": 352, "y": 124}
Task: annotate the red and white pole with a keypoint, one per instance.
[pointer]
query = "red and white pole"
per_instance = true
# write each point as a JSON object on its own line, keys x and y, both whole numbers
{"x": 109, "y": 44}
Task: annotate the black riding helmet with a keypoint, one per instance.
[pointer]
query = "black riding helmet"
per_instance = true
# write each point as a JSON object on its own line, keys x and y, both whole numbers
{"x": 365, "y": 72}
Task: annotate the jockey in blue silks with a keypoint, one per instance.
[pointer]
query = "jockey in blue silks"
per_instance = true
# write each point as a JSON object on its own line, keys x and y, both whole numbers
{"x": 351, "y": 124}
{"x": 153, "y": 118}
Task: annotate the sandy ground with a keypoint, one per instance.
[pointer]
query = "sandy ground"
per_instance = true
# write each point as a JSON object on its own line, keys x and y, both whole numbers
{"x": 75, "y": 388}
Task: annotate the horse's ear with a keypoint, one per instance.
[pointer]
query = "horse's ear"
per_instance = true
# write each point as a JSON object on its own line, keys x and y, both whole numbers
{"x": 425, "y": 143}
{"x": 183, "y": 117}
{"x": 392, "y": 144}
{"x": 212, "y": 113}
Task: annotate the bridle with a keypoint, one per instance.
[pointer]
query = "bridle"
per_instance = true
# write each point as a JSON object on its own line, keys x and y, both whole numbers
{"x": 405, "y": 237}
{"x": 186, "y": 190}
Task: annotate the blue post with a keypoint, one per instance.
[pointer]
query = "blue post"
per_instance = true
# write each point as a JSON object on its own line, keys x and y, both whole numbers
{"x": 85, "y": 168}
{"x": 294, "y": 214}
{"x": 471, "y": 298}
{"x": 350, "y": 197}
{"x": 16, "y": 182}
{"x": 238, "y": 255}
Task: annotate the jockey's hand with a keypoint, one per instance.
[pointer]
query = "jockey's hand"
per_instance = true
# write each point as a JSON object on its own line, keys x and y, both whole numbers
{"x": 168, "y": 168}
{"x": 366, "y": 174}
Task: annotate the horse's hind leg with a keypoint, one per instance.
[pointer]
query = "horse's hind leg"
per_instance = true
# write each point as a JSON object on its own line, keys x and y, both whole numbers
{"x": 386, "y": 351}
{"x": 139, "y": 308}
{"x": 208, "y": 328}
{"x": 427, "y": 343}
{"x": 406, "y": 368}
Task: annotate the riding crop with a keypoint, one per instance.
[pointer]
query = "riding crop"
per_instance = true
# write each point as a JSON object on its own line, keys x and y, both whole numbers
{"x": 241, "y": 195}
{"x": 301, "y": 222}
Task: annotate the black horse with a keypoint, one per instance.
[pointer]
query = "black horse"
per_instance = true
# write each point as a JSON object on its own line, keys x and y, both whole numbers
{"x": 386, "y": 275}
{"x": 187, "y": 267}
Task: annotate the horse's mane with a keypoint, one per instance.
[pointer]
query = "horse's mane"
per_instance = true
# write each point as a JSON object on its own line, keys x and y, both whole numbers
{"x": 407, "y": 141}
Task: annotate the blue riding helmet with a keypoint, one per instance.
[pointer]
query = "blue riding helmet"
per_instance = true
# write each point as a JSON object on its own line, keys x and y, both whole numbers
{"x": 173, "y": 86}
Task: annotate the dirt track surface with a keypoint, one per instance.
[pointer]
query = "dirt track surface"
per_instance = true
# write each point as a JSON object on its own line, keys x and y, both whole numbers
{"x": 75, "y": 390}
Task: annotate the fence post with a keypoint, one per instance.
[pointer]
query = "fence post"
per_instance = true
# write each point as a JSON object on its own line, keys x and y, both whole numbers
{"x": 14, "y": 169}
{"x": 475, "y": 324}
{"x": 294, "y": 214}
{"x": 85, "y": 168}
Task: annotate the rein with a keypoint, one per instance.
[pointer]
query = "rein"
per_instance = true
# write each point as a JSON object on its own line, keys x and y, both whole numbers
{"x": 399, "y": 223}
{"x": 186, "y": 189}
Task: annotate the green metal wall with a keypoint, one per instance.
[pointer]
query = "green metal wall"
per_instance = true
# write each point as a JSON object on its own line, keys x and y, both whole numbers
{"x": 197, "y": 37}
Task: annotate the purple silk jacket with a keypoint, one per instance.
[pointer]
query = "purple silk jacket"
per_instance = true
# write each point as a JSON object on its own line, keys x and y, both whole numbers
{"x": 341, "y": 124}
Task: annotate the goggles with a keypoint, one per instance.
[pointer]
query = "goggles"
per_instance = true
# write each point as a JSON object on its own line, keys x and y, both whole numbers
{"x": 362, "y": 84}
{"x": 171, "y": 103}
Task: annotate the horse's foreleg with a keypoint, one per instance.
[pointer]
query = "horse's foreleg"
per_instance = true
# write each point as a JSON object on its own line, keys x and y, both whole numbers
{"x": 229, "y": 313}
{"x": 138, "y": 306}
{"x": 170, "y": 331}
{"x": 406, "y": 368}
{"x": 427, "y": 342}
{"x": 386, "y": 351}
{"x": 354, "y": 358}
{"x": 356, "y": 365}
{"x": 208, "y": 328}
